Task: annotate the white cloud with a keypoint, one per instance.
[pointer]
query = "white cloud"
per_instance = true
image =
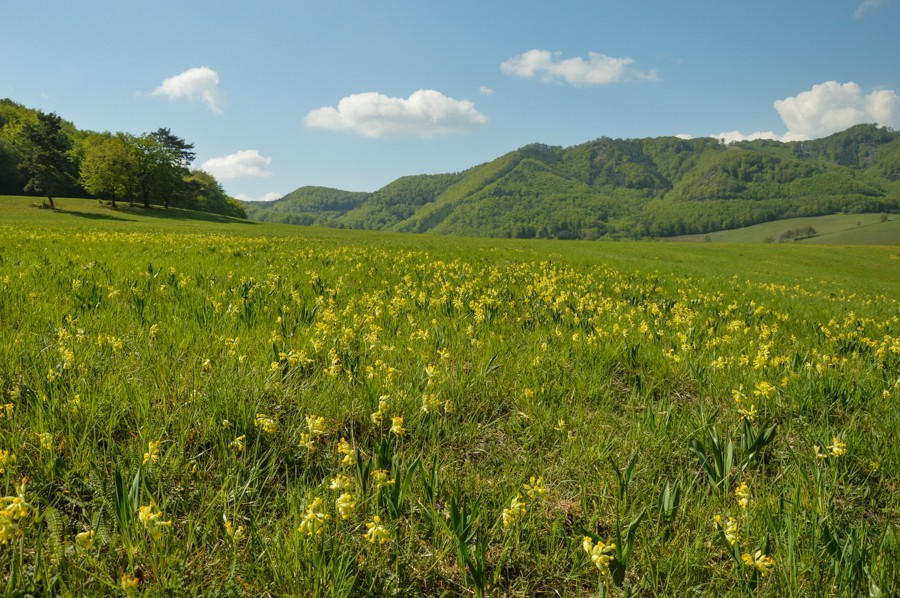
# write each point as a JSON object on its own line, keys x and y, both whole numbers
{"x": 684, "y": 136}
{"x": 201, "y": 83}
{"x": 485, "y": 90}
{"x": 825, "y": 109}
{"x": 425, "y": 113}
{"x": 270, "y": 196}
{"x": 831, "y": 107}
{"x": 245, "y": 163}
{"x": 598, "y": 69}
{"x": 865, "y": 7}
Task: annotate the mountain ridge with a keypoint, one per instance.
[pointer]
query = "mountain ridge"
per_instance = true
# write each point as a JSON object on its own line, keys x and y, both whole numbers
{"x": 622, "y": 188}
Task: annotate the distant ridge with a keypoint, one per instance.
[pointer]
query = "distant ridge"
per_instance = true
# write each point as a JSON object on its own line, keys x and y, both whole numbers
{"x": 621, "y": 188}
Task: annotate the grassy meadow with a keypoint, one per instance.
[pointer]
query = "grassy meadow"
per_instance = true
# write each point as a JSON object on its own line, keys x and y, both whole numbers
{"x": 834, "y": 229}
{"x": 205, "y": 406}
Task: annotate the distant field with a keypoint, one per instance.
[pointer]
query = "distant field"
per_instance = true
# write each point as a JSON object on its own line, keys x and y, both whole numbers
{"x": 835, "y": 229}
{"x": 197, "y": 405}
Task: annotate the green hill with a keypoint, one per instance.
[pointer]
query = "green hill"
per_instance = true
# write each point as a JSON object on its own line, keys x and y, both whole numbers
{"x": 623, "y": 188}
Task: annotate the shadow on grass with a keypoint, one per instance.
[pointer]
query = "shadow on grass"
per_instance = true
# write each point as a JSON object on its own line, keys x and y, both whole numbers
{"x": 93, "y": 215}
{"x": 180, "y": 214}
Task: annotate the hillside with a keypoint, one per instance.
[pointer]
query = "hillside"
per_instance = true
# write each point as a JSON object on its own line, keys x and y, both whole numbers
{"x": 622, "y": 188}
{"x": 152, "y": 168}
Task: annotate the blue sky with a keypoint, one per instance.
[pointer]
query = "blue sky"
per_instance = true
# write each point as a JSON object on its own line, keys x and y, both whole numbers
{"x": 353, "y": 94}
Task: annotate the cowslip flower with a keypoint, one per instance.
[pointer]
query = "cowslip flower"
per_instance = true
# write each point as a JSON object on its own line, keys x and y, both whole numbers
{"x": 380, "y": 477}
{"x": 85, "y": 540}
{"x": 601, "y": 554}
{"x": 6, "y": 458}
{"x": 516, "y": 511}
{"x": 46, "y": 440}
{"x": 152, "y": 454}
{"x": 128, "y": 583}
{"x": 313, "y": 520}
{"x": 266, "y": 423}
{"x": 397, "y": 426}
{"x": 377, "y": 532}
{"x": 340, "y": 482}
{"x": 236, "y": 535}
{"x": 345, "y": 505}
{"x": 238, "y": 443}
{"x": 382, "y": 407}
{"x": 763, "y": 563}
{"x": 731, "y": 529}
{"x": 14, "y": 512}
{"x": 316, "y": 425}
{"x": 838, "y": 448}
{"x": 152, "y": 520}
{"x": 344, "y": 448}
{"x": 536, "y": 488}
{"x": 742, "y": 493}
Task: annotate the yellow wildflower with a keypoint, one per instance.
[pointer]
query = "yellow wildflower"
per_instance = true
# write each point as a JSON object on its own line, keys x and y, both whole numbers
{"x": 151, "y": 518}
{"x": 238, "y": 443}
{"x": 345, "y": 505}
{"x": 340, "y": 482}
{"x": 13, "y": 514}
{"x": 516, "y": 511}
{"x": 6, "y": 458}
{"x": 236, "y": 535}
{"x": 742, "y": 493}
{"x": 46, "y": 439}
{"x": 380, "y": 477}
{"x": 85, "y": 540}
{"x": 731, "y": 529}
{"x": 764, "y": 563}
{"x": 838, "y": 448}
{"x": 601, "y": 554}
{"x": 377, "y": 532}
{"x": 313, "y": 520}
{"x": 348, "y": 451}
{"x": 152, "y": 456}
{"x": 316, "y": 425}
{"x": 749, "y": 414}
{"x": 128, "y": 582}
{"x": 265, "y": 422}
{"x": 536, "y": 488}
{"x": 397, "y": 425}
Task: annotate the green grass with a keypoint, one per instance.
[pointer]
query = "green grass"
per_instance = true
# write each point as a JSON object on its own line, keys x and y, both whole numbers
{"x": 565, "y": 362}
{"x": 835, "y": 229}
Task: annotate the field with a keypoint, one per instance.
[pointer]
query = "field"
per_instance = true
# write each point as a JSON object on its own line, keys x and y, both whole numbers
{"x": 206, "y": 406}
{"x": 835, "y": 229}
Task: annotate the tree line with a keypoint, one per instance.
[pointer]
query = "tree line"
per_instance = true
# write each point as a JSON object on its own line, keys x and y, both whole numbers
{"x": 43, "y": 154}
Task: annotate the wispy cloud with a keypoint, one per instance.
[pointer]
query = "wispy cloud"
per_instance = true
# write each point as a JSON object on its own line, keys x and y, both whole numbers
{"x": 598, "y": 69}
{"x": 425, "y": 113}
{"x": 195, "y": 84}
{"x": 245, "y": 163}
{"x": 485, "y": 90}
{"x": 866, "y": 6}
{"x": 825, "y": 109}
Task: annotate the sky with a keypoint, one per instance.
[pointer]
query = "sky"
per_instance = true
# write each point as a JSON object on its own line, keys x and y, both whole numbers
{"x": 353, "y": 94}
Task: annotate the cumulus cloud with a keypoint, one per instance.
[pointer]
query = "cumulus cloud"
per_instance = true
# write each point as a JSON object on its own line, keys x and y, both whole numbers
{"x": 825, "y": 109}
{"x": 245, "y": 163}
{"x": 485, "y": 90}
{"x": 830, "y": 107}
{"x": 865, "y": 7}
{"x": 684, "y": 136}
{"x": 598, "y": 69}
{"x": 425, "y": 113}
{"x": 270, "y": 196}
{"x": 196, "y": 84}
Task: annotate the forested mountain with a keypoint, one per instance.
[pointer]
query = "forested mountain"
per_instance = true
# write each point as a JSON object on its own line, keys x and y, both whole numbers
{"x": 622, "y": 188}
{"x": 45, "y": 155}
